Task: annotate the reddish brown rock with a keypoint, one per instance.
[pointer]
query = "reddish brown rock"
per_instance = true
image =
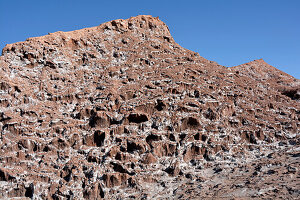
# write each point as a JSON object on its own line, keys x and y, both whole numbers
{"x": 121, "y": 111}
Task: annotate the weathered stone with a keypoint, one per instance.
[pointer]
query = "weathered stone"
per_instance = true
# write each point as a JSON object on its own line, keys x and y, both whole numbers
{"x": 121, "y": 111}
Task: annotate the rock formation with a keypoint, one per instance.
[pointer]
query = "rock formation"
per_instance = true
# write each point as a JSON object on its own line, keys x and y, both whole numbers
{"x": 122, "y": 111}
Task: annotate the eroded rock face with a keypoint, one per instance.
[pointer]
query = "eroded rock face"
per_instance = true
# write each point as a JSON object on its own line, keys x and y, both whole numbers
{"x": 122, "y": 111}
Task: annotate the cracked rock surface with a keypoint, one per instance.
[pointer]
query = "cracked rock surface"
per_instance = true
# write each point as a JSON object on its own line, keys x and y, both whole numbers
{"x": 121, "y": 111}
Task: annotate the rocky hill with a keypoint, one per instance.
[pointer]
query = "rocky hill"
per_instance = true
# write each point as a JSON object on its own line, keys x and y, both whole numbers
{"x": 121, "y": 111}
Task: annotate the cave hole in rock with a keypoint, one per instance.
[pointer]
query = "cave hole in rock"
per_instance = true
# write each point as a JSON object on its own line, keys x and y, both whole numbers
{"x": 99, "y": 138}
{"x": 192, "y": 105}
{"x": 132, "y": 165}
{"x": 197, "y": 136}
{"x": 132, "y": 146}
{"x": 89, "y": 173}
{"x": 203, "y": 138}
{"x": 29, "y": 191}
{"x": 170, "y": 170}
{"x": 3, "y": 176}
{"x": 46, "y": 149}
{"x": 137, "y": 118}
{"x": 119, "y": 168}
{"x": 294, "y": 94}
{"x": 182, "y": 137}
{"x": 102, "y": 194}
{"x": 170, "y": 128}
{"x": 167, "y": 38}
{"x": 150, "y": 138}
{"x": 131, "y": 182}
{"x": 17, "y": 89}
{"x": 160, "y": 105}
{"x": 192, "y": 122}
{"x": 172, "y": 137}
{"x": 118, "y": 156}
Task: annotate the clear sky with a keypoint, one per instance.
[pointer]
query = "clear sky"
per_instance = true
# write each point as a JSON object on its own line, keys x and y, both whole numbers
{"x": 230, "y": 32}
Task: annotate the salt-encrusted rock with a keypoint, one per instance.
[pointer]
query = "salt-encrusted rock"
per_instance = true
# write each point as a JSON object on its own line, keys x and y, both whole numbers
{"x": 121, "y": 111}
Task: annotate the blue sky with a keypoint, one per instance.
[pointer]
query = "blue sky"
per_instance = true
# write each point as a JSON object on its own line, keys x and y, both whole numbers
{"x": 230, "y": 32}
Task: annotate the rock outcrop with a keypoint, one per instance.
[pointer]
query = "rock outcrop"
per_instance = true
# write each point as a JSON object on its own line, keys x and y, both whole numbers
{"x": 122, "y": 111}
